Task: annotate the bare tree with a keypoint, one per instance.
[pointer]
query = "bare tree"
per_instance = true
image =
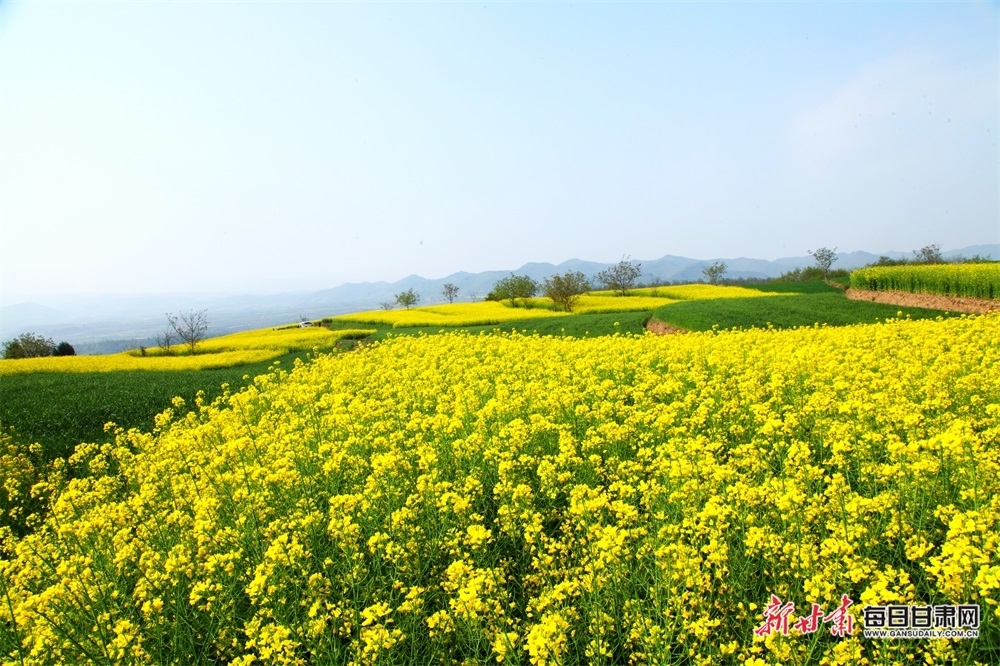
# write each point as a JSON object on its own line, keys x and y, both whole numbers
{"x": 190, "y": 326}
{"x": 166, "y": 341}
{"x": 387, "y": 305}
{"x": 450, "y": 292}
{"x": 929, "y": 254}
{"x": 621, "y": 277}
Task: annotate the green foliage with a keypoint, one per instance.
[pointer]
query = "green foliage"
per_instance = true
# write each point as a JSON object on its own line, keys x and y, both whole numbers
{"x": 810, "y": 273}
{"x": 61, "y": 410}
{"x": 28, "y": 345}
{"x": 824, "y": 257}
{"x": 621, "y": 277}
{"x": 577, "y": 325}
{"x": 514, "y": 289}
{"x": 715, "y": 272}
{"x": 833, "y": 309}
{"x": 565, "y": 290}
{"x": 408, "y": 298}
{"x": 780, "y": 286}
{"x": 65, "y": 349}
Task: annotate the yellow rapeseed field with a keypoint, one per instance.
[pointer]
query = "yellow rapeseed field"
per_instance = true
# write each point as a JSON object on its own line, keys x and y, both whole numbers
{"x": 493, "y": 312}
{"x": 222, "y": 352}
{"x": 960, "y": 280}
{"x": 692, "y": 292}
{"x": 452, "y": 314}
{"x": 512, "y": 499}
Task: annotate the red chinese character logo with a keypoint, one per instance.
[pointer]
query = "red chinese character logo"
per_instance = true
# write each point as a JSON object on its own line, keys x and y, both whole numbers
{"x": 808, "y": 624}
{"x": 775, "y": 617}
{"x": 842, "y": 624}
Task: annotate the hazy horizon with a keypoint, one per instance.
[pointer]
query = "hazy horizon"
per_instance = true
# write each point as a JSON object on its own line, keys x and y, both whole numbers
{"x": 276, "y": 147}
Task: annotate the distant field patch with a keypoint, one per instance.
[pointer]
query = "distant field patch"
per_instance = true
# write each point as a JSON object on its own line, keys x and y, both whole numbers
{"x": 694, "y": 292}
{"x": 226, "y": 351}
{"x": 454, "y": 314}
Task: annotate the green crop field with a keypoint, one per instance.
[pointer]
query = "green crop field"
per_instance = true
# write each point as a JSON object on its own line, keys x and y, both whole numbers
{"x": 61, "y": 410}
{"x": 831, "y": 308}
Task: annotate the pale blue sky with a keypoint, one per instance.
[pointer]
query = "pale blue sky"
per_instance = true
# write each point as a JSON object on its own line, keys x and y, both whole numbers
{"x": 271, "y": 146}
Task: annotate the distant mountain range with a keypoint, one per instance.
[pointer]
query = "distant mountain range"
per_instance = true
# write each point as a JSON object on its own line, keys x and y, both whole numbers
{"x": 110, "y": 323}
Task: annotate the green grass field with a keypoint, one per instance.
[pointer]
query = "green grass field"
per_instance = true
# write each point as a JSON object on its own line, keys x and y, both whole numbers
{"x": 61, "y": 410}
{"x": 816, "y": 303}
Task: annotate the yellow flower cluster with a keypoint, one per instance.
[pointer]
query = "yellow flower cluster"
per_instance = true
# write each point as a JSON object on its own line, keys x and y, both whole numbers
{"x": 223, "y": 352}
{"x": 543, "y": 500}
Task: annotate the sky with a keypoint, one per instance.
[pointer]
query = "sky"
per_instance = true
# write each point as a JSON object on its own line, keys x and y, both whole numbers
{"x": 262, "y": 147}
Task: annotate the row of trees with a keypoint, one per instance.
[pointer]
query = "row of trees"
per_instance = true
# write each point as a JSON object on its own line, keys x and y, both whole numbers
{"x": 825, "y": 258}
{"x": 31, "y": 345}
{"x": 564, "y": 289}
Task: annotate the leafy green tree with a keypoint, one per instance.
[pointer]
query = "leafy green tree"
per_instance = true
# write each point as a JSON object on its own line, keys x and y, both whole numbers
{"x": 621, "y": 277}
{"x": 566, "y": 290}
{"x": 715, "y": 272}
{"x": 450, "y": 292}
{"x": 408, "y": 298}
{"x": 28, "y": 345}
{"x": 824, "y": 257}
{"x": 514, "y": 288}
{"x": 65, "y": 349}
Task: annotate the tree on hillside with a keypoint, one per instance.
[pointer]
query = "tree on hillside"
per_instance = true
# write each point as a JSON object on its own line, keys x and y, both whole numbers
{"x": 408, "y": 298}
{"x": 387, "y": 305}
{"x": 64, "y": 349}
{"x": 566, "y": 290}
{"x": 929, "y": 254}
{"x": 450, "y": 292}
{"x": 513, "y": 289}
{"x": 190, "y": 327}
{"x": 621, "y": 277}
{"x": 824, "y": 259}
{"x": 715, "y": 272}
{"x": 28, "y": 345}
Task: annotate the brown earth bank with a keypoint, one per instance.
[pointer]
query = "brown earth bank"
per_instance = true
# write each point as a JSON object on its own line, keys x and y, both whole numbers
{"x": 934, "y": 301}
{"x": 654, "y": 325}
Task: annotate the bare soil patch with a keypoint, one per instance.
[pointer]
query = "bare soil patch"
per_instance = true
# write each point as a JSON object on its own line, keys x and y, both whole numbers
{"x": 933, "y": 301}
{"x": 662, "y": 328}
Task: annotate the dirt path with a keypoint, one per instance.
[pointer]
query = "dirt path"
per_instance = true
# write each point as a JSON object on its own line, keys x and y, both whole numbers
{"x": 949, "y": 303}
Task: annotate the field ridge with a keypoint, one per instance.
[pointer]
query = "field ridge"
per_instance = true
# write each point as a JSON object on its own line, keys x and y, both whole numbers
{"x": 934, "y": 301}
